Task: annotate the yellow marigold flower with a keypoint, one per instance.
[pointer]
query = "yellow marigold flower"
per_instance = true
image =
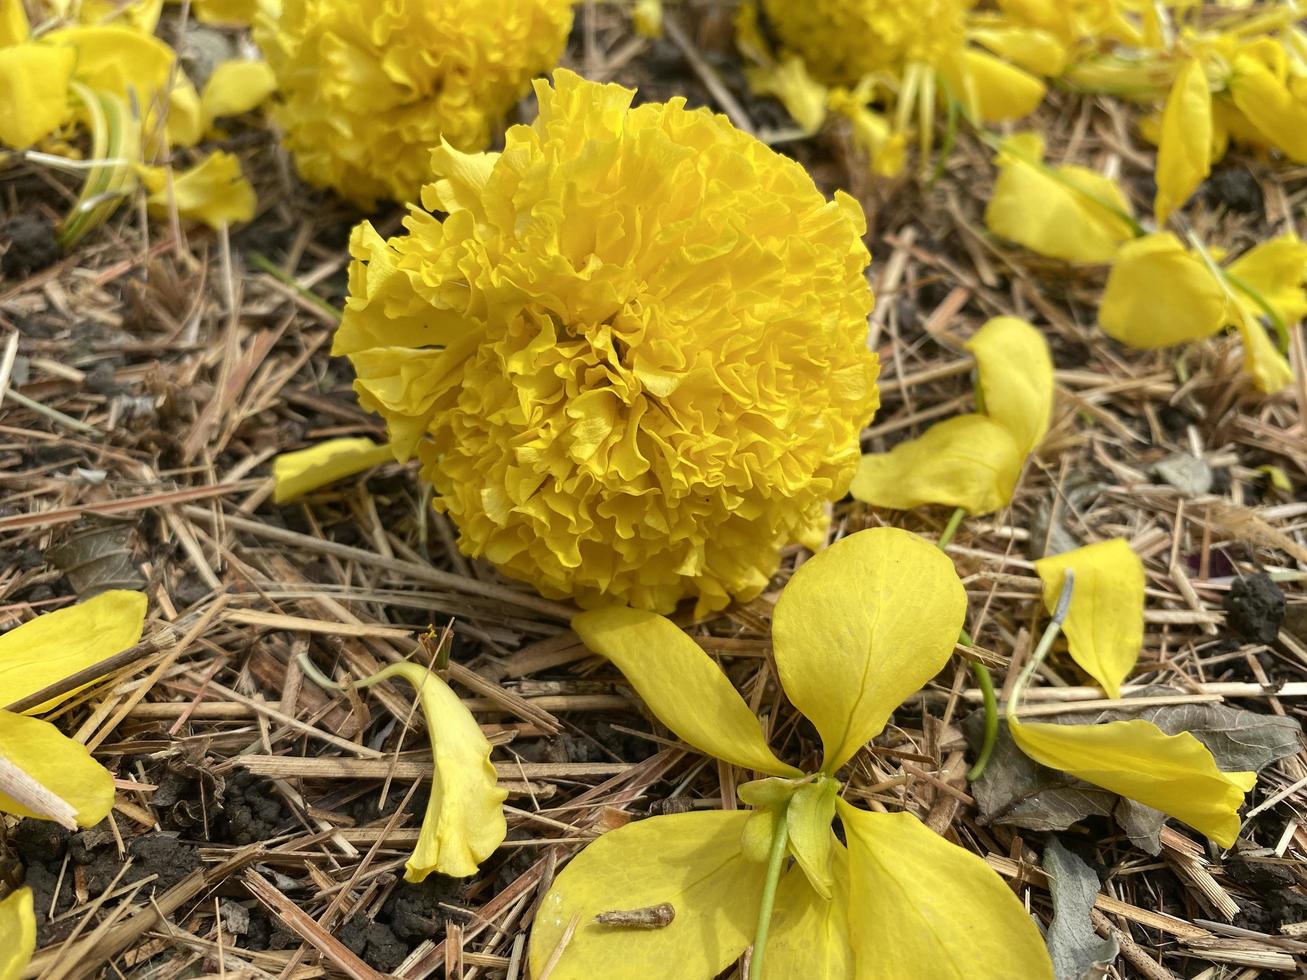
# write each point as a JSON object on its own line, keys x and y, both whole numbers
{"x": 370, "y": 87}
{"x": 634, "y": 352}
{"x": 843, "y": 40}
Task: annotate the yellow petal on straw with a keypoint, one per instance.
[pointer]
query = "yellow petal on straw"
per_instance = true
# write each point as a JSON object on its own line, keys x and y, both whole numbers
{"x": 691, "y": 861}
{"x": 236, "y": 87}
{"x": 14, "y": 27}
{"x": 464, "y": 823}
{"x": 1136, "y": 759}
{"x": 802, "y": 95}
{"x": 17, "y": 932}
{"x": 969, "y": 461}
{"x": 1015, "y": 377}
{"x": 1270, "y": 106}
{"x": 681, "y": 684}
{"x": 1035, "y": 50}
{"x": 306, "y": 470}
{"x": 994, "y": 90}
{"x": 1184, "y": 153}
{"x": 1064, "y": 212}
{"x": 49, "y": 648}
{"x": 1105, "y": 622}
{"x": 186, "y": 122}
{"x": 33, "y": 92}
{"x": 809, "y": 934}
{"x": 1159, "y": 294}
{"x": 214, "y": 191}
{"x": 1276, "y": 271}
{"x": 60, "y": 765}
{"x": 922, "y": 907}
{"x": 1270, "y": 370}
{"x": 862, "y": 626}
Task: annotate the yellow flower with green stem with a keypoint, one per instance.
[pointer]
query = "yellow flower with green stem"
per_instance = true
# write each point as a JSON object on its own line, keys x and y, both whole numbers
{"x": 859, "y": 628}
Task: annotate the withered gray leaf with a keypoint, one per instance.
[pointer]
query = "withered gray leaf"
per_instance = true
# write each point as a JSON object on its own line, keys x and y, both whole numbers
{"x": 1187, "y": 473}
{"x": 1017, "y": 791}
{"x": 1078, "y": 953}
{"x": 97, "y": 556}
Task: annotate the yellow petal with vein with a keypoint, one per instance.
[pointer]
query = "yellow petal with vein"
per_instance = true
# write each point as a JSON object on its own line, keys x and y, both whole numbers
{"x": 1065, "y": 212}
{"x": 1184, "y": 153}
{"x": 969, "y": 461}
{"x": 922, "y": 907}
{"x": 1276, "y": 270}
{"x": 691, "y": 861}
{"x": 681, "y": 684}
{"x": 809, "y": 934}
{"x": 464, "y": 823}
{"x": 1136, "y": 759}
{"x": 1159, "y": 294}
{"x": 860, "y": 627}
{"x": 17, "y": 933}
{"x": 1105, "y": 622}
{"x": 1015, "y": 376}
{"x": 214, "y": 191}
{"x": 49, "y": 648}
{"x": 306, "y": 470}
{"x": 62, "y": 766}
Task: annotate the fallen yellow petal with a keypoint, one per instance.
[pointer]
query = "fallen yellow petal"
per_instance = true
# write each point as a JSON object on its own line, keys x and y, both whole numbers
{"x": 49, "y": 648}
{"x": 236, "y": 87}
{"x": 306, "y": 470}
{"x": 809, "y": 934}
{"x": 17, "y": 933}
{"x": 1064, "y": 212}
{"x": 681, "y": 684}
{"x": 1105, "y": 622}
{"x": 922, "y": 907}
{"x": 227, "y": 13}
{"x": 862, "y": 626}
{"x": 1270, "y": 370}
{"x": 1136, "y": 759}
{"x": 996, "y": 91}
{"x": 14, "y": 28}
{"x": 1184, "y": 152}
{"x": 464, "y": 823}
{"x": 186, "y": 123}
{"x": 1015, "y": 378}
{"x": 118, "y": 60}
{"x": 1035, "y": 50}
{"x": 1276, "y": 271}
{"x": 1159, "y": 294}
{"x": 648, "y": 18}
{"x": 214, "y": 191}
{"x": 802, "y": 95}
{"x": 691, "y": 861}
{"x": 969, "y": 461}
{"x": 1270, "y": 106}
{"x": 33, "y": 92}
{"x": 61, "y": 767}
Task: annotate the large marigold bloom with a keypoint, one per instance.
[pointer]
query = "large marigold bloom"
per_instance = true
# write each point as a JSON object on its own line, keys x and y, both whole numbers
{"x": 633, "y": 357}
{"x": 843, "y": 40}
{"x": 370, "y": 87}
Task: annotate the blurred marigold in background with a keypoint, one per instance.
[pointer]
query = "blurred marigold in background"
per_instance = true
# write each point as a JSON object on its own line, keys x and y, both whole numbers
{"x": 369, "y": 88}
{"x": 633, "y": 357}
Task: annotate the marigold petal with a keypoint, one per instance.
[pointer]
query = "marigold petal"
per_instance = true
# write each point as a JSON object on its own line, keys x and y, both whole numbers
{"x": 1270, "y": 370}
{"x": 1136, "y": 759}
{"x": 809, "y": 935}
{"x": 860, "y": 627}
{"x": 214, "y": 191}
{"x": 33, "y": 92}
{"x": 1184, "y": 153}
{"x": 1270, "y": 106}
{"x": 17, "y": 932}
{"x": 1000, "y": 92}
{"x": 14, "y": 27}
{"x": 1014, "y": 376}
{"x": 236, "y": 87}
{"x": 60, "y": 765}
{"x": 1276, "y": 271}
{"x": 1158, "y": 294}
{"x": 802, "y": 95}
{"x": 306, "y": 470}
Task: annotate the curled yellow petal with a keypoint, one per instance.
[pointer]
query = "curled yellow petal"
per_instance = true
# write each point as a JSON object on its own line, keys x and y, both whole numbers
{"x": 922, "y": 907}
{"x": 1159, "y": 294}
{"x": 1270, "y": 370}
{"x": 464, "y": 822}
{"x": 1184, "y": 152}
{"x": 1014, "y": 372}
{"x": 872, "y": 133}
{"x": 690, "y": 861}
{"x": 994, "y": 90}
{"x": 1276, "y": 271}
{"x": 802, "y": 95}
{"x": 17, "y": 933}
{"x": 186, "y": 122}
{"x": 1136, "y": 759}
{"x": 1064, "y": 212}
{"x": 1035, "y": 50}
{"x": 49, "y": 648}
{"x": 681, "y": 685}
{"x": 969, "y": 461}
{"x": 306, "y": 470}
{"x": 809, "y": 815}
{"x": 33, "y": 92}
{"x": 236, "y": 87}
{"x": 1105, "y": 622}
{"x": 214, "y": 191}
{"x": 118, "y": 60}
{"x": 1270, "y": 106}
{"x": 59, "y": 766}
{"x": 860, "y": 627}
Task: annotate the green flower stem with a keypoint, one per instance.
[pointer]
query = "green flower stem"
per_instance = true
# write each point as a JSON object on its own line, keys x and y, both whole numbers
{"x": 775, "y": 861}
{"x": 1045, "y": 643}
{"x": 984, "y": 679}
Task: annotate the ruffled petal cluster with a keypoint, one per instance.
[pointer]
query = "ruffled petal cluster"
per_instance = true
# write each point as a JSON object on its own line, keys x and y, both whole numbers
{"x": 370, "y": 87}
{"x": 633, "y": 357}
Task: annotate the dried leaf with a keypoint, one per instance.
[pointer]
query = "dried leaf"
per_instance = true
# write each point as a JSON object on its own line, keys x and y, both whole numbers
{"x": 1077, "y": 951}
{"x": 98, "y": 557}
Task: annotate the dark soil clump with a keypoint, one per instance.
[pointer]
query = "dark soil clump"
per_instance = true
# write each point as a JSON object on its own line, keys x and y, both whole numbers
{"x": 1255, "y": 608}
{"x": 32, "y": 246}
